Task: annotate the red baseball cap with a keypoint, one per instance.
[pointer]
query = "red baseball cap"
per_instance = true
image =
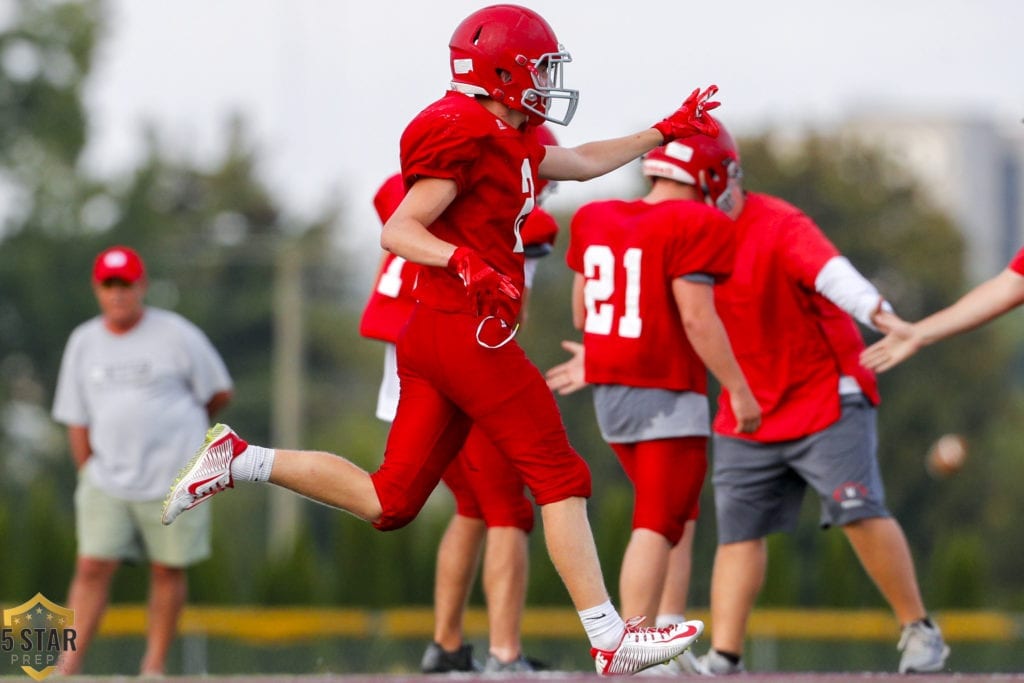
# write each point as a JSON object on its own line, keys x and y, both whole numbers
{"x": 118, "y": 262}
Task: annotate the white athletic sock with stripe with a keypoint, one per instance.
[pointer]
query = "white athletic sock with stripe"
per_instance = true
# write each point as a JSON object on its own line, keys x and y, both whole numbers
{"x": 253, "y": 464}
{"x": 603, "y": 625}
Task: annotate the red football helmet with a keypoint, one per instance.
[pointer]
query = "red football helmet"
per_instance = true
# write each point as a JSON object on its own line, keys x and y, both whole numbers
{"x": 509, "y": 53}
{"x": 711, "y": 164}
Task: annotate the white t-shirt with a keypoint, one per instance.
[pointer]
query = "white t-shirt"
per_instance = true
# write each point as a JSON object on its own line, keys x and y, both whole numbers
{"x": 143, "y": 396}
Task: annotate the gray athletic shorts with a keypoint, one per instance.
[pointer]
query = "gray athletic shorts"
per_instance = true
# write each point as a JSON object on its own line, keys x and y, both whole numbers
{"x": 115, "y": 529}
{"x": 759, "y": 487}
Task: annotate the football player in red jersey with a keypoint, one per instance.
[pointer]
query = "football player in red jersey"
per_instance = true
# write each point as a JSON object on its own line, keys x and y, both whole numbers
{"x": 489, "y": 493}
{"x": 471, "y": 171}
{"x": 987, "y": 301}
{"x": 790, "y": 308}
{"x": 643, "y": 296}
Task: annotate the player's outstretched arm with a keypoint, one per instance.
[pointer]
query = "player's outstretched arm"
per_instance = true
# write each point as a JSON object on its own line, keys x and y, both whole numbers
{"x": 594, "y": 159}
{"x": 987, "y": 301}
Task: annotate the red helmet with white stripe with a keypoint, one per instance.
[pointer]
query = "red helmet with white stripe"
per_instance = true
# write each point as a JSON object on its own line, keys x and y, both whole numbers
{"x": 510, "y": 54}
{"x": 710, "y": 164}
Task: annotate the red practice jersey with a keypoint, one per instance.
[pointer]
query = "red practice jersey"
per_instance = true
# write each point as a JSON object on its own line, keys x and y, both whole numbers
{"x": 792, "y": 343}
{"x": 629, "y": 253}
{"x": 495, "y": 169}
{"x": 391, "y": 300}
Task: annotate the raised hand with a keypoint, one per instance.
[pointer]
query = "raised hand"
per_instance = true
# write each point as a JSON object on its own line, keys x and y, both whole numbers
{"x": 493, "y": 293}
{"x": 692, "y": 118}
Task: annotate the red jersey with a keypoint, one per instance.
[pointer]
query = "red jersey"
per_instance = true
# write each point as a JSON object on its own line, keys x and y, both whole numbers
{"x": 495, "y": 169}
{"x": 792, "y": 343}
{"x": 391, "y": 300}
{"x": 1017, "y": 263}
{"x": 629, "y": 253}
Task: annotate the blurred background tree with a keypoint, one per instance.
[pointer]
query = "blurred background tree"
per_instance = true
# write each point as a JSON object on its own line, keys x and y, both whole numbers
{"x": 221, "y": 250}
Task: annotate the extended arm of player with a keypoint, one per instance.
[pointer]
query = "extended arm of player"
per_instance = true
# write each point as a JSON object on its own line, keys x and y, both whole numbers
{"x": 594, "y": 159}
{"x": 707, "y": 335}
{"x": 987, "y": 301}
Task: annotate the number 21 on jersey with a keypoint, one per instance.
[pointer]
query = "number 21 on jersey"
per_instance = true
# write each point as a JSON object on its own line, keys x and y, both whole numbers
{"x": 599, "y": 271}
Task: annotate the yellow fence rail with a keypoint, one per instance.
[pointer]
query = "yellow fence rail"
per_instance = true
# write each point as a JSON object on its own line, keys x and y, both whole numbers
{"x": 283, "y": 624}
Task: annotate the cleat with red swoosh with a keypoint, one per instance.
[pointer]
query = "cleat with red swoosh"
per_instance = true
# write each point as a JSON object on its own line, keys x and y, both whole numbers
{"x": 208, "y": 472}
{"x": 642, "y": 648}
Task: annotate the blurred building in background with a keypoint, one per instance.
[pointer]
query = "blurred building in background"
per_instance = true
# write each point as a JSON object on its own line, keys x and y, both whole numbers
{"x": 971, "y": 167}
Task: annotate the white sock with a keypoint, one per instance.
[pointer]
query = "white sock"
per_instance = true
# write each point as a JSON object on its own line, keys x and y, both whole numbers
{"x": 603, "y": 625}
{"x": 253, "y": 464}
{"x": 664, "y": 620}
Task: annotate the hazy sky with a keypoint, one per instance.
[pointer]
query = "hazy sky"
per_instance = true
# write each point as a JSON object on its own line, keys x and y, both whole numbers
{"x": 328, "y": 85}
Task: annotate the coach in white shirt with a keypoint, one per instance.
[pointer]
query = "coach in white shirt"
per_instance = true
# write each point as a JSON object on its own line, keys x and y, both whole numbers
{"x": 137, "y": 388}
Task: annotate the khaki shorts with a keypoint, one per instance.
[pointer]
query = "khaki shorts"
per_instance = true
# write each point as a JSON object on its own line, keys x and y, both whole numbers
{"x": 116, "y": 529}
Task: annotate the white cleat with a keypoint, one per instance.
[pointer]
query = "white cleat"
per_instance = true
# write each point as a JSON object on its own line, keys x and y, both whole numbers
{"x": 208, "y": 472}
{"x": 924, "y": 649}
{"x": 642, "y": 648}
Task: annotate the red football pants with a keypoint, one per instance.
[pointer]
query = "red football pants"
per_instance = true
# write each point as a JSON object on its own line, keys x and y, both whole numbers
{"x": 450, "y": 383}
{"x": 667, "y": 476}
{"x": 487, "y": 486}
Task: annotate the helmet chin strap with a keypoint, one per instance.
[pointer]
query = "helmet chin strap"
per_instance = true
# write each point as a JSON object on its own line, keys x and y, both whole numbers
{"x": 480, "y": 327}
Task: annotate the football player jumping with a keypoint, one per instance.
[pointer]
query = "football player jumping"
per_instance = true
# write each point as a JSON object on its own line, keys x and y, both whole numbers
{"x": 471, "y": 170}
{"x": 488, "y": 491}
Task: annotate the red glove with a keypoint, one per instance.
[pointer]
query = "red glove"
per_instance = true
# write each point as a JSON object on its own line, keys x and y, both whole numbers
{"x": 692, "y": 118}
{"x": 493, "y": 293}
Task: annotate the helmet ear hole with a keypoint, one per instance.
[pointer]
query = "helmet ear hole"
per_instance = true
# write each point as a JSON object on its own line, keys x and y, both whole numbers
{"x": 503, "y": 75}
{"x": 476, "y": 35}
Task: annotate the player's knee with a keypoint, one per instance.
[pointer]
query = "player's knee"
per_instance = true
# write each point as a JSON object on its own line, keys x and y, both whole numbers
{"x": 659, "y": 511}
{"x": 669, "y": 526}
{"x": 519, "y": 516}
{"x": 396, "y": 516}
{"x": 570, "y": 480}
{"x": 468, "y": 508}
{"x": 390, "y": 522}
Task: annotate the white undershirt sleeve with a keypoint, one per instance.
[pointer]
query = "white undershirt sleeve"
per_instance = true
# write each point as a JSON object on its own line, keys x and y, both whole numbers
{"x": 841, "y": 283}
